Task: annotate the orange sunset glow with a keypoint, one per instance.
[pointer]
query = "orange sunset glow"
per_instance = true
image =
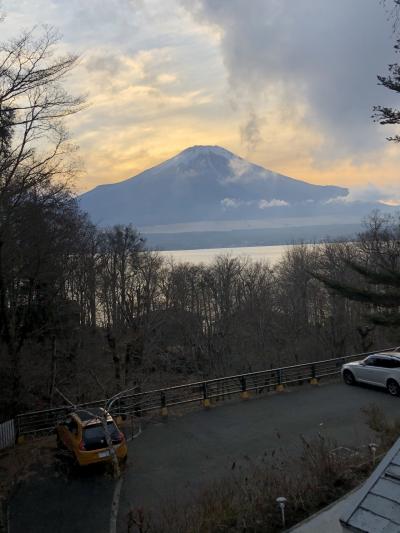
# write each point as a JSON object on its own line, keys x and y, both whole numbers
{"x": 267, "y": 83}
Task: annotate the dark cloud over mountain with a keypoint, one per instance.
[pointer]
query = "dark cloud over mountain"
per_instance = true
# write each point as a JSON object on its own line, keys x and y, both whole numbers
{"x": 318, "y": 58}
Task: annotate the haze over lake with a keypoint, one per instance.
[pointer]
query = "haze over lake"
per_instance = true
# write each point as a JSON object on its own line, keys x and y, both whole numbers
{"x": 272, "y": 254}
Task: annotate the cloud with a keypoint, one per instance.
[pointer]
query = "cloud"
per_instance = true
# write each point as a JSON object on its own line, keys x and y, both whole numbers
{"x": 244, "y": 172}
{"x": 234, "y": 203}
{"x": 292, "y": 83}
{"x": 239, "y": 166}
{"x": 388, "y": 195}
{"x": 146, "y": 92}
{"x": 316, "y": 60}
{"x": 240, "y": 169}
{"x": 107, "y": 63}
{"x": 231, "y": 203}
{"x": 250, "y": 132}
{"x": 265, "y": 204}
{"x": 393, "y": 202}
{"x": 165, "y": 79}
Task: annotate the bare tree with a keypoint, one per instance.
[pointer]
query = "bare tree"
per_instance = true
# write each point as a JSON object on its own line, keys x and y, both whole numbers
{"x": 33, "y": 170}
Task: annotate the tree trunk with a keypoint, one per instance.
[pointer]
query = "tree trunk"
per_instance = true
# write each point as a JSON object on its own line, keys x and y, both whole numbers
{"x": 53, "y": 371}
{"x": 116, "y": 359}
{"x": 128, "y": 354}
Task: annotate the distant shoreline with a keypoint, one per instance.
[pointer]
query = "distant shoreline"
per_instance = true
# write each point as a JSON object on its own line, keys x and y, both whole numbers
{"x": 249, "y": 238}
{"x": 275, "y": 223}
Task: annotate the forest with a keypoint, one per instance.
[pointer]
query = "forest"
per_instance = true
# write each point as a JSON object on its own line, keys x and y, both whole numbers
{"x": 90, "y": 311}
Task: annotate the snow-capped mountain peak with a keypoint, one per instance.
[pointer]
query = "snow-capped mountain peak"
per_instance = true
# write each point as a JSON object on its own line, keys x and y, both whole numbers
{"x": 194, "y": 151}
{"x": 204, "y": 183}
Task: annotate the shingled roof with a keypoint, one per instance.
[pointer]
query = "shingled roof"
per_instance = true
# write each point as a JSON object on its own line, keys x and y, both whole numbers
{"x": 376, "y": 508}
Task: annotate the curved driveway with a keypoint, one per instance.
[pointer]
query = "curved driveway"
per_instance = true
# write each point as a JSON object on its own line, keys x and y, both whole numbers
{"x": 172, "y": 459}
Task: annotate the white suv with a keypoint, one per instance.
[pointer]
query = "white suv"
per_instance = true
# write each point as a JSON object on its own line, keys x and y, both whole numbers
{"x": 382, "y": 369}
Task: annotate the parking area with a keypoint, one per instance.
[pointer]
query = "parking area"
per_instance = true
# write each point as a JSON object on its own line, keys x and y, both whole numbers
{"x": 172, "y": 459}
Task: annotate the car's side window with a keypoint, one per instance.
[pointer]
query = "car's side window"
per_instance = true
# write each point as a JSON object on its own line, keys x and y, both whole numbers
{"x": 385, "y": 363}
{"x": 393, "y": 363}
{"x": 381, "y": 362}
{"x": 73, "y": 427}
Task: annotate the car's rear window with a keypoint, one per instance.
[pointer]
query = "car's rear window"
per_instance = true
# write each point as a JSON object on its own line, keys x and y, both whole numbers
{"x": 94, "y": 437}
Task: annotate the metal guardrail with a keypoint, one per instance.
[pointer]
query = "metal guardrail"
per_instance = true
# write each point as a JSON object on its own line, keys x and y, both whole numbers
{"x": 7, "y": 434}
{"x": 41, "y": 422}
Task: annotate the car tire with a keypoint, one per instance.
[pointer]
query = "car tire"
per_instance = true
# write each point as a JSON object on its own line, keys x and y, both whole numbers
{"x": 393, "y": 387}
{"x": 348, "y": 377}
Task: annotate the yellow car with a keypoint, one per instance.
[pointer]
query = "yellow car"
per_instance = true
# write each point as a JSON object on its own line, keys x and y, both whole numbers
{"x": 82, "y": 433}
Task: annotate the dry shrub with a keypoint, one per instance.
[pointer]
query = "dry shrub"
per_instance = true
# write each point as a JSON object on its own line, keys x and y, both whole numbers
{"x": 246, "y": 501}
{"x": 387, "y": 430}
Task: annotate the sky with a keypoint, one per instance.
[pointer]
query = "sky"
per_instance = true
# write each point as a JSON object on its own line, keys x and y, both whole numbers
{"x": 287, "y": 84}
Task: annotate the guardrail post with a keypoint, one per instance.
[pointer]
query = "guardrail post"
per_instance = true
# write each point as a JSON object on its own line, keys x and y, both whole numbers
{"x": 280, "y": 387}
{"x": 314, "y": 379}
{"x": 244, "y": 393}
{"x": 206, "y": 399}
{"x": 164, "y": 408}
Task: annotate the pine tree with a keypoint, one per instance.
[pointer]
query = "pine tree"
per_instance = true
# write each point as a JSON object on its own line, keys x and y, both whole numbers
{"x": 383, "y": 114}
{"x": 370, "y": 270}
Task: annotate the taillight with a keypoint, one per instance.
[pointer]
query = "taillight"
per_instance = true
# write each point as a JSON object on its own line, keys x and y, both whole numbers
{"x": 82, "y": 445}
{"x": 120, "y": 438}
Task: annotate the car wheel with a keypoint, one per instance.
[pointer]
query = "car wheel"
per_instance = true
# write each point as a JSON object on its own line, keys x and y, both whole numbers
{"x": 393, "y": 387}
{"x": 348, "y": 377}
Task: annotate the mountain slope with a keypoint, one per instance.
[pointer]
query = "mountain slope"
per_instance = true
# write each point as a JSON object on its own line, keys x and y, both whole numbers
{"x": 205, "y": 183}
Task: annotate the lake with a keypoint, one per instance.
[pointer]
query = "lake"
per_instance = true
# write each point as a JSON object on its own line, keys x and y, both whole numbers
{"x": 272, "y": 254}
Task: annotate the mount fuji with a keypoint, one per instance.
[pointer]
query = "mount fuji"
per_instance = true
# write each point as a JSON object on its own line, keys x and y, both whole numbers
{"x": 208, "y": 188}
{"x": 203, "y": 183}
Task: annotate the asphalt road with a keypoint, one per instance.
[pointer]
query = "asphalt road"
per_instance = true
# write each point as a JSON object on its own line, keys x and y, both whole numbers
{"x": 173, "y": 459}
